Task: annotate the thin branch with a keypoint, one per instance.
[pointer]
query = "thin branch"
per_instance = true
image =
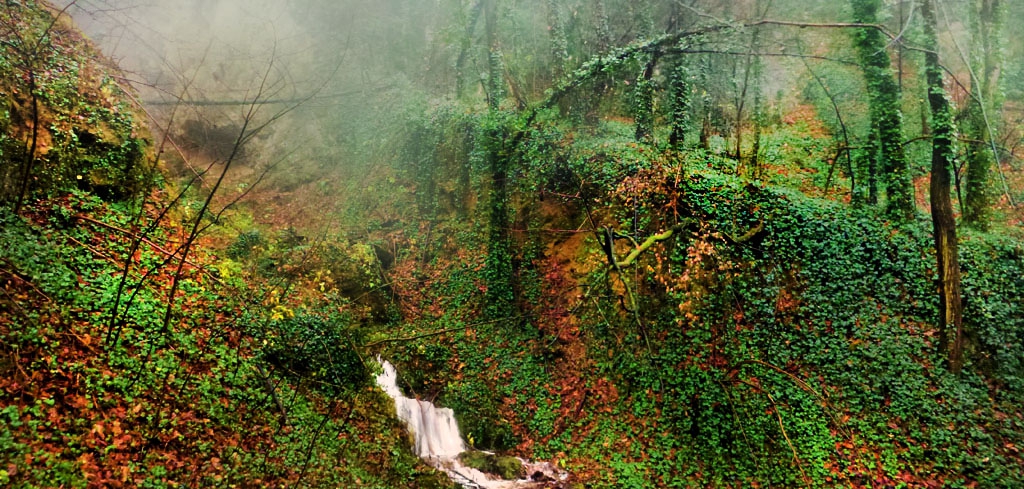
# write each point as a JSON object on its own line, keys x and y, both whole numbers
{"x": 442, "y": 331}
{"x": 274, "y": 101}
{"x": 133, "y": 236}
{"x": 984, "y": 111}
{"x": 23, "y": 278}
{"x": 651, "y": 241}
{"x": 796, "y": 457}
{"x": 827, "y": 25}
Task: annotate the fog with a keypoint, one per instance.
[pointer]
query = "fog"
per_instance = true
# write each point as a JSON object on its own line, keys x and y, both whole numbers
{"x": 340, "y": 80}
{"x": 309, "y": 80}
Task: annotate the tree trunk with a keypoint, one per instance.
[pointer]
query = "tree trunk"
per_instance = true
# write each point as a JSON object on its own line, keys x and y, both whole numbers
{"x": 604, "y": 32}
{"x": 559, "y": 43}
{"x": 943, "y": 221}
{"x": 498, "y": 265}
{"x": 30, "y": 155}
{"x": 679, "y": 102}
{"x": 466, "y": 45}
{"x": 886, "y": 117}
{"x": 495, "y": 75}
{"x": 980, "y": 153}
{"x": 643, "y": 102}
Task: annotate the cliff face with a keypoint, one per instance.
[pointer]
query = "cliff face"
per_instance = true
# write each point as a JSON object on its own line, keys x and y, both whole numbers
{"x": 67, "y": 122}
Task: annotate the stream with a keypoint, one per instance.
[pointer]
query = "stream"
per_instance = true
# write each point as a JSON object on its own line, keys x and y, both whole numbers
{"x": 437, "y": 441}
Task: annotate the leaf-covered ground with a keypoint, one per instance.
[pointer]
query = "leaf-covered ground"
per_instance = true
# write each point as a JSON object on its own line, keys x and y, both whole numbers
{"x": 95, "y": 399}
{"x": 777, "y": 338}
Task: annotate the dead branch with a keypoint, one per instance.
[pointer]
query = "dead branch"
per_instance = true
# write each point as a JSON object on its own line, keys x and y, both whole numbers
{"x": 134, "y": 236}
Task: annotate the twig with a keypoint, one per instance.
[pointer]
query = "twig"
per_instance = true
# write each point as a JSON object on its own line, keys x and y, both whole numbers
{"x": 23, "y": 278}
{"x": 136, "y": 236}
{"x": 796, "y": 457}
{"x": 93, "y": 250}
{"x": 440, "y": 332}
{"x": 272, "y": 390}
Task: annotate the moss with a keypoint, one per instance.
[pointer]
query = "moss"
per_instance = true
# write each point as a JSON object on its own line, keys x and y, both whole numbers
{"x": 476, "y": 460}
{"x": 508, "y": 468}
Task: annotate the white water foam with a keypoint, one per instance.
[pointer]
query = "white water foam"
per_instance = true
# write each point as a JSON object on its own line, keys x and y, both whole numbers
{"x": 434, "y": 429}
{"x": 437, "y": 439}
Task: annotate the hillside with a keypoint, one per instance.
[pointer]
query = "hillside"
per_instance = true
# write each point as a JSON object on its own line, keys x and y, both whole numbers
{"x": 601, "y": 257}
{"x": 109, "y": 380}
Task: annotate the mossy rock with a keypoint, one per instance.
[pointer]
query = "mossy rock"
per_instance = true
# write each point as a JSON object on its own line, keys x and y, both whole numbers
{"x": 508, "y": 468}
{"x": 434, "y": 480}
{"x": 476, "y": 460}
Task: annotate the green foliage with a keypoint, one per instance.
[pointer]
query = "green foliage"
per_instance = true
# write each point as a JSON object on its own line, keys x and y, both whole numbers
{"x": 803, "y": 356}
{"x": 228, "y": 401}
{"x": 245, "y": 244}
{"x": 94, "y": 142}
{"x": 498, "y": 270}
{"x": 316, "y": 350}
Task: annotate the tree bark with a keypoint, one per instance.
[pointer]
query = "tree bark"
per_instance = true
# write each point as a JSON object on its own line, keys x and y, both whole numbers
{"x": 559, "y": 43}
{"x": 466, "y": 45}
{"x": 643, "y": 101}
{"x": 30, "y": 153}
{"x": 604, "y": 32}
{"x": 943, "y": 220}
{"x": 495, "y": 75}
{"x": 498, "y": 265}
{"x": 679, "y": 104}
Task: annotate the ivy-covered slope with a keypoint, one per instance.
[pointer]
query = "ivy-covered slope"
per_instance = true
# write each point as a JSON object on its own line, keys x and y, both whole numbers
{"x": 774, "y": 340}
{"x": 224, "y": 395}
{"x": 771, "y": 340}
{"x": 65, "y": 122}
{"x": 107, "y": 377}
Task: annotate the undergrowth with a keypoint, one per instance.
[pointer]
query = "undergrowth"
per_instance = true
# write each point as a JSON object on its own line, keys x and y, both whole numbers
{"x": 778, "y": 340}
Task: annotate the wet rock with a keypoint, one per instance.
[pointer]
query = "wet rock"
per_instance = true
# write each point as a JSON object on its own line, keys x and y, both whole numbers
{"x": 508, "y": 468}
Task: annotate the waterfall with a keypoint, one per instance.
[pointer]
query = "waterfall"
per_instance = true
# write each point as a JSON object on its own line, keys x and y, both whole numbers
{"x": 434, "y": 429}
{"x": 437, "y": 439}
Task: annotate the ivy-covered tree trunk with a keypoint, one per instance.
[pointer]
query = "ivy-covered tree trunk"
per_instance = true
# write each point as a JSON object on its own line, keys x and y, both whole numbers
{"x": 495, "y": 69}
{"x": 679, "y": 103}
{"x": 643, "y": 18}
{"x": 30, "y": 152}
{"x": 741, "y": 96}
{"x": 466, "y": 44}
{"x": 886, "y": 117}
{"x": 643, "y": 90}
{"x": 643, "y": 101}
{"x": 604, "y": 32}
{"x": 559, "y": 42}
{"x": 979, "y": 195}
{"x": 943, "y": 220}
{"x": 498, "y": 267}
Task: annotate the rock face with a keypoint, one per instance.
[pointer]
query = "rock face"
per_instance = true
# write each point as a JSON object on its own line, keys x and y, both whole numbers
{"x": 436, "y": 439}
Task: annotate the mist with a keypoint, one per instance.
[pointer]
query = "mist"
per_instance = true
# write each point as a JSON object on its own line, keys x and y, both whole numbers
{"x": 324, "y": 78}
{"x": 590, "y": 243}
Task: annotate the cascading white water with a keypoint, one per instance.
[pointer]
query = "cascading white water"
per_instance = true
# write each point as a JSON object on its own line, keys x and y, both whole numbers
{"x": 434, "y": 429}
{"x": 437, "y": 438}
